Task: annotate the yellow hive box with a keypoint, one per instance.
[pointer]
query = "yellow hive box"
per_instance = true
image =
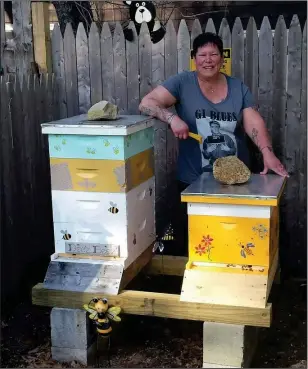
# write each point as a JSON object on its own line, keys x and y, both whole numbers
{"x": 101, "y": 175}
{"x": 233, "y": 240}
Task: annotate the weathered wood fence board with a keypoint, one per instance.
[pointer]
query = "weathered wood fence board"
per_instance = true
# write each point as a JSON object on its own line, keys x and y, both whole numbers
{"x": 251, "y": 57}
{"x": 132, "y": 58}
{"x": 70, "y": 63}
{"x": 265, "y": 72}
{"x": 96, "y": 88}
{"x": 83, "y": 70}
{"x": 279, "y": 86}
{"x": 104, "y": 65}
{"x": 238, "y": 50}
{"x": 59, "y": 68}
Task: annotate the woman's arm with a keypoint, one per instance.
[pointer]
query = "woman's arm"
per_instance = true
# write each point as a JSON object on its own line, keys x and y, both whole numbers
{"x": 156, "y": 104}
{"x": 255, "y": 128}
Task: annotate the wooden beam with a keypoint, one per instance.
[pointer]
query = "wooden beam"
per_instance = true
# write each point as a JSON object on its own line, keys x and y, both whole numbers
{"x": 157, "y": 304}
{"x": 167, "y": 265}
{"x": 41, "y": 36}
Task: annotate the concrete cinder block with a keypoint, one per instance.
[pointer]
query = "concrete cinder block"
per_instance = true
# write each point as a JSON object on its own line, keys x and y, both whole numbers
{"x": 85, "y": 356}
{"x": 228, "y": 345}
{"x": 73, "y": 336}
{"x": 70, "y": 328}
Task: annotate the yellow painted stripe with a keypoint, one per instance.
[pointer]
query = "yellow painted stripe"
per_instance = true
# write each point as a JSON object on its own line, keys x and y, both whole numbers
{"x": 227, "y": 200}
{"x": 228, "y": 269}
{"x": 102, "y": 175}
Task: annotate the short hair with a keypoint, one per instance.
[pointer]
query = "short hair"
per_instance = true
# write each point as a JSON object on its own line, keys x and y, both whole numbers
{"x": 205, "y": 39}
{"x": 214, "y": 122}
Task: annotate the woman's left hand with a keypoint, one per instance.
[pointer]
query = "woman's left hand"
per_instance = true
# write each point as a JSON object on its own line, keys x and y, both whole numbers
{"x": 271, "y": 162}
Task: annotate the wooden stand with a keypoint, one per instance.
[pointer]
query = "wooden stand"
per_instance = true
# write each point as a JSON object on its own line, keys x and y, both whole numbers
{"x": 238, "y": 322}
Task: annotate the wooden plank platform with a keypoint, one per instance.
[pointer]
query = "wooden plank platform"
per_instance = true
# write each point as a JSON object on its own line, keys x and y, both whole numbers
{"x": 157, "y": 304}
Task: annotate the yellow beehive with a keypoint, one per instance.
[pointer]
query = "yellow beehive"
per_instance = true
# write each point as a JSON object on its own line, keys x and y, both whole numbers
{"x": 233, "y": 240}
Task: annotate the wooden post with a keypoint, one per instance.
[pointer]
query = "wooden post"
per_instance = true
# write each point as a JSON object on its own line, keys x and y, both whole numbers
{"x": 2, "y": 37}
{"x": 41, "y": 36}
{"x": 23, "y": 38}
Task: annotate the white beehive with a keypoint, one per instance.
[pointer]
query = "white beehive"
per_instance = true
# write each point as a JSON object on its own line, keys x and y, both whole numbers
{"x": 103, "y": 199}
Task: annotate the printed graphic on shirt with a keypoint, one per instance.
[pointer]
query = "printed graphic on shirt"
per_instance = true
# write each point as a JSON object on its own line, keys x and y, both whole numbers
{"x": 218, "y": 140}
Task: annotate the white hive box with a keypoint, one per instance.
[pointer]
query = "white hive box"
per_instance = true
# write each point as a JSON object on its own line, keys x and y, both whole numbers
{"x": 103, "y": 199}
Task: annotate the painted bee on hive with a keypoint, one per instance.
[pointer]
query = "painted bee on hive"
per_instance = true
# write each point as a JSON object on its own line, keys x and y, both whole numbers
{"x": 246, "y": 249}
{"x": 113, "y": 208}
{"x": 66, "y": 236}
{"x": 168, "y": 235}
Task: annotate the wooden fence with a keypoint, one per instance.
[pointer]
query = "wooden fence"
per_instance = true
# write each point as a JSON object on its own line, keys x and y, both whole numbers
{"x": 102, "y": 65}
{"x": 273, "y": 63}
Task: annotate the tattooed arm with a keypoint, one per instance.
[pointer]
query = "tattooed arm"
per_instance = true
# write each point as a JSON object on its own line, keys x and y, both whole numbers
{"x": 255, "y": 128}
{"x": 156, "y": 104}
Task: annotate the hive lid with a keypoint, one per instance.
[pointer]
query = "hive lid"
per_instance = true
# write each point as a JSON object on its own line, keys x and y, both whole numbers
{"x": 80, "y": 125}
{"x": 260, "y": 188}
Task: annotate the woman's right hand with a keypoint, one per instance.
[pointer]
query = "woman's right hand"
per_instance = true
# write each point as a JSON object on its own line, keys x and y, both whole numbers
{"x": 179, "y": 128}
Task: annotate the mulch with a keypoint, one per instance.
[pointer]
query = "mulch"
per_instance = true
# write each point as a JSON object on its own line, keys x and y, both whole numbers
{"x": 150, "y": 342}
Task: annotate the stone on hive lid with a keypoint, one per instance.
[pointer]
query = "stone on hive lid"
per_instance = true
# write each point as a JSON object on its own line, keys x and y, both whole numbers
{"x": 103, "y": 110}
{"x": 230, "y": 170}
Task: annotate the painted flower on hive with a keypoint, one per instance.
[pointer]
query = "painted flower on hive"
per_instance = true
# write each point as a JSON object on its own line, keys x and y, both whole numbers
{"x": 207, "y": 240}
{"x": 205, "y": 246}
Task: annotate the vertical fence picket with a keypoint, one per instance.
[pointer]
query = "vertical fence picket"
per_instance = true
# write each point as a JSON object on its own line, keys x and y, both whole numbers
{"x": 251, "y": 58}
{"x": 120, "y": 70}
{"x": 238, "y": 59}
{"x": 107, "y": 63}
{"x": 302, "y": 214}
{"x": 293, "y": 130}
{"x": 132, "y": 57}
{"x": 145, "y": 60}
{"x": 70, "y": 62}
{"x": 195, "y": 31}
{"x": 96, "y": 92}
{"x": 279, "y": 86}
{"x": 265, "y": 72}
{"x": 83, "y": 70}
{"x": 59, "y": 68}
{"x": 183, "y": 46}
{"x": 210, "y": 26}
{"x": 225, "y": 33}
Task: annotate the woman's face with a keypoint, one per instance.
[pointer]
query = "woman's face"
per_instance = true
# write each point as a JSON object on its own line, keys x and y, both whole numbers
{"x": 208, "y": 60}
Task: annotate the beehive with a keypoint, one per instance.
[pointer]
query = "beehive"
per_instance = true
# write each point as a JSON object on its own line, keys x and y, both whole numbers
{"x": 103, "y": 191}
{"x": 233, "y": 240}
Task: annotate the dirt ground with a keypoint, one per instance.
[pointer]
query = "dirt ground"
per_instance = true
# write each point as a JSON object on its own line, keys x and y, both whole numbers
{"x": 149, "y": 342}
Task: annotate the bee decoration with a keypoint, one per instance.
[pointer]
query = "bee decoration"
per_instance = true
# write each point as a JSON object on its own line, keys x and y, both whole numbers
{"x": 168, "y": 235}
{"x": 246, "y": 250}
{"x": 66, "y": 236}
{"x": 113, "y": 208}
{"x": 102, "y": 314}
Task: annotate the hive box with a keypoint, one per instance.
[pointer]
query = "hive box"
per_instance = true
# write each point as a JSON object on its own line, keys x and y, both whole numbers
{"x": 233, "y": 240}
{"x": 103, "y": 198}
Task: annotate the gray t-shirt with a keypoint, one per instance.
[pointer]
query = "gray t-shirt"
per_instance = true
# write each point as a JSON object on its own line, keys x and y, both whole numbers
{"x": 220, "y": 125}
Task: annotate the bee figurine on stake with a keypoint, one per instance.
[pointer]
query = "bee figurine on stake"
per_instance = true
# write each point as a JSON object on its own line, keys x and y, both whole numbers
{"x": 102, "y": 315}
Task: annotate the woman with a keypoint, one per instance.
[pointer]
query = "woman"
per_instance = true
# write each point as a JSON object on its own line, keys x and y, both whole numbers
{"x": 218, "y": 107}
